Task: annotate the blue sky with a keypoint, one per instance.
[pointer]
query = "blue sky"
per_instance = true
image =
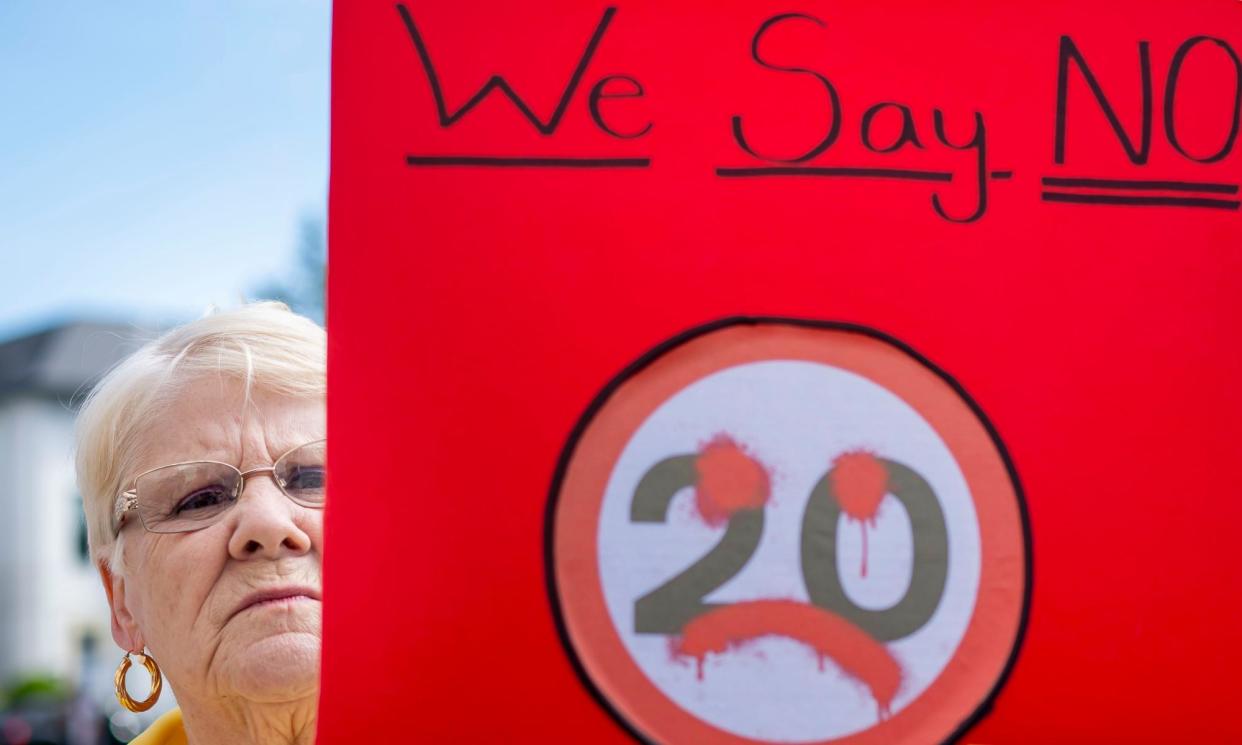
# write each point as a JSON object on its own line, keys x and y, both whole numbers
{"x": 155, "y": 157}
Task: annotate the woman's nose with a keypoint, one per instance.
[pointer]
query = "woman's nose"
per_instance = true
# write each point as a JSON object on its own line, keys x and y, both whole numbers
{"x": 265, "y": 521}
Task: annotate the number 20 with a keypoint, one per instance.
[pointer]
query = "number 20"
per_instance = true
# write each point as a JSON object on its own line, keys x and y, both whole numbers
{"x": 669, "y": 607}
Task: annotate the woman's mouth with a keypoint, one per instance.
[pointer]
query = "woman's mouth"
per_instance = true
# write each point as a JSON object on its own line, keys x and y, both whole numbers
{"x": 280, "y": 597}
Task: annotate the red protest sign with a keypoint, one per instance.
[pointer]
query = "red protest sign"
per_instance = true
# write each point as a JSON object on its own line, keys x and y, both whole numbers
{"x": 831, "y": 373}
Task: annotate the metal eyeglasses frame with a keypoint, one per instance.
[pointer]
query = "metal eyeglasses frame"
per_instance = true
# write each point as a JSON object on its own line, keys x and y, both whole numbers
{"x": 127, "y": 500}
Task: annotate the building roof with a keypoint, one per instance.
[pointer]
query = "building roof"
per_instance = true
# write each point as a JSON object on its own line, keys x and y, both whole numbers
{"x": 64, "y": 360}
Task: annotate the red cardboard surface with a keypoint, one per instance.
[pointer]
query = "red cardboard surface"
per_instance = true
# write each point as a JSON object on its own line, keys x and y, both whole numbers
{"x": 1074, "y": 264}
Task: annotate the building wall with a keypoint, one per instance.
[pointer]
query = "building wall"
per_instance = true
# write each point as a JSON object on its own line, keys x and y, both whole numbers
{"x": 50, "y": 595}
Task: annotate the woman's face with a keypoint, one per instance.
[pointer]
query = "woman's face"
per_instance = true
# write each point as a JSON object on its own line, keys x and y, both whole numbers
{"x": 188, "y": 597}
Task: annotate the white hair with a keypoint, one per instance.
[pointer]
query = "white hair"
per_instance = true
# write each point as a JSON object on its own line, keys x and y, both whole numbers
{"x": 261, "y": 345}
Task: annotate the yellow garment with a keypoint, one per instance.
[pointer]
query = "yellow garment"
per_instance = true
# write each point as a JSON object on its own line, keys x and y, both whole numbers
{"x": 167, "y": 730}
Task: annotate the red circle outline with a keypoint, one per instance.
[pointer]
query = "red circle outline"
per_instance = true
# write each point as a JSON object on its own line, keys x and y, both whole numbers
{"x": 987, "y": 648}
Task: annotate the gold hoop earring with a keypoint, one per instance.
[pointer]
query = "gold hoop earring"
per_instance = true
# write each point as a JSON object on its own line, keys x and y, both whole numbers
{"x": 157, "y": 683}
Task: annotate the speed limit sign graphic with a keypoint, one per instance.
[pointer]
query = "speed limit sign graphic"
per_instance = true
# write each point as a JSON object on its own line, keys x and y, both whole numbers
{"x": 779, "y": 531}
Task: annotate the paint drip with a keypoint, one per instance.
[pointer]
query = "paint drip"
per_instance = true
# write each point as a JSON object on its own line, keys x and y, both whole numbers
{"x": 860, "y": 481}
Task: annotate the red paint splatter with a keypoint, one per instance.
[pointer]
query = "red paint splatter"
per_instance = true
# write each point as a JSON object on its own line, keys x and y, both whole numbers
{"x": 674, "y": 655}
{"x": 828, "y": 634}
{"x": 729, "y": 481}
{"x": 860, "y": 482}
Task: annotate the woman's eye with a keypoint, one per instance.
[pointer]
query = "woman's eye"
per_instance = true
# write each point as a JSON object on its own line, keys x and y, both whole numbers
{"x": 203, "y": 498}
{"x": 306, "y": 477}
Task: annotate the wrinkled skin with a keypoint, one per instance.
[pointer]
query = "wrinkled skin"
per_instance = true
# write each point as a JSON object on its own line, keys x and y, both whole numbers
{"x": 248, "y": 676}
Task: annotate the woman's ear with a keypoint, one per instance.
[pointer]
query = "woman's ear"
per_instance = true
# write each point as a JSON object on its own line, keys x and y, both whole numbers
{"x": 125, "y": 631}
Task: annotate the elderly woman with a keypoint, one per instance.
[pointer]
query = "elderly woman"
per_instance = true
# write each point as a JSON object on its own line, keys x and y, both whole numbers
{"x": 201, "y": 461}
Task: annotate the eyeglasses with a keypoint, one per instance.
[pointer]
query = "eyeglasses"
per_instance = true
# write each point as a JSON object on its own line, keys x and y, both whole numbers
{"x": 182, "y": 497}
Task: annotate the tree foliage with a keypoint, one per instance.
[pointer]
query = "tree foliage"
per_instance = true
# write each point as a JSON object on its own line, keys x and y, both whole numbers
{"x": 304, "y": 286}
